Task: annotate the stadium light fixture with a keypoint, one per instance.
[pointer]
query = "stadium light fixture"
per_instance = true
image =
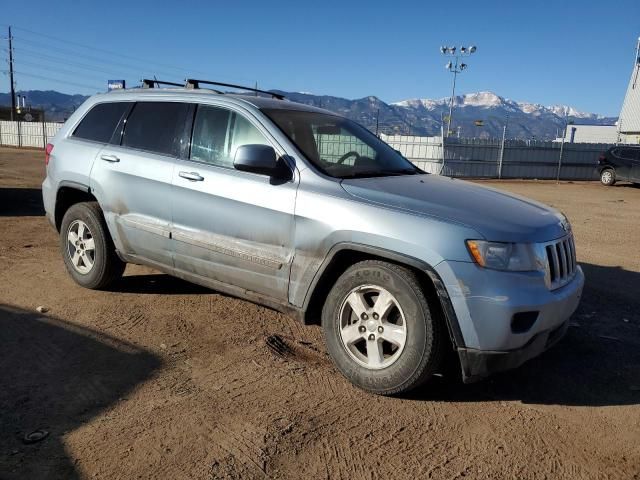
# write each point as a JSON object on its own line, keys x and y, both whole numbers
{"x": 455, "y": 68}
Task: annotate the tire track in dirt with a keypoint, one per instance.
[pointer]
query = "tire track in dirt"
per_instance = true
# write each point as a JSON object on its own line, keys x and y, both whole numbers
{"x": 221, "y": 405}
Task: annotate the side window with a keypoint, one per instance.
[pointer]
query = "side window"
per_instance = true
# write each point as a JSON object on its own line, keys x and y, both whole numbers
{"x": 217, "y": 133}
{"x": 211, "y": 136}
{"x": 628, "y": 153}
{"x": 156, "y": 127}
{"x": 244, "y": 133}
{"x": 98, "y": 125}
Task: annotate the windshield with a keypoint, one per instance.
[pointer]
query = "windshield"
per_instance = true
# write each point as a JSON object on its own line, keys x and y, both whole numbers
{"x": 339, "y": 147}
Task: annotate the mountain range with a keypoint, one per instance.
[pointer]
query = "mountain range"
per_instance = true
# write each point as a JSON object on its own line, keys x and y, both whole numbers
{"x": 480, "y": 115}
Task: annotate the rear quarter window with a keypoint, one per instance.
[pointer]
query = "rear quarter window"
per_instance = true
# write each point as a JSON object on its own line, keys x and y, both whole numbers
{"x": 156, "y": 127}
{"x": 98, "y": 125}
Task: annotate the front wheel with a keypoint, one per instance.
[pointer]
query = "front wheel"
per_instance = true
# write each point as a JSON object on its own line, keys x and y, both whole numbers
{"x": 607, "y": 177}
{"x": 379, "y": 329}
{"x": 87, "y": 248}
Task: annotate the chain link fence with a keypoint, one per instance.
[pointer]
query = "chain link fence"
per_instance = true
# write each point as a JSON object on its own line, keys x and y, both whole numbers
{"x": 460, "y": 157}
{"x": 479, "y": 158}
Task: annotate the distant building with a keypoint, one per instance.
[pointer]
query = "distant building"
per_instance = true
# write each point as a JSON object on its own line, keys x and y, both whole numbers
{"x": 629, "y": 122}
{"x": 626, "y": 130}
{"x": 590, "y": 134}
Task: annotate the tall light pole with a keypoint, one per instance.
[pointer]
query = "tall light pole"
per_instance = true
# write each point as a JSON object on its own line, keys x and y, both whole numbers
{"x": 455, "y": 68}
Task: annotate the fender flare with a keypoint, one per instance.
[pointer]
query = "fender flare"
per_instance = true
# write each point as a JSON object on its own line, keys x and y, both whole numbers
{"x": 453, "y": 326}
{"x": 74, "y": 185}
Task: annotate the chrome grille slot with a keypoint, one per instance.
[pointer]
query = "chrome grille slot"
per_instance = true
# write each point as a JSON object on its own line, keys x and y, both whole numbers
{"x": 561, "y": 262}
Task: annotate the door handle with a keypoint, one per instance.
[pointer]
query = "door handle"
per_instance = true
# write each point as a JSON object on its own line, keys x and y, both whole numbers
{"x": 110, "y": 158}
{"x": 192, "y": 176}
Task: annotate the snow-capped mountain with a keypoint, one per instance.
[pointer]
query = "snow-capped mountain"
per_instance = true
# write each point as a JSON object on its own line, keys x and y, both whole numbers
{"x": 418, "y": 116}
{"x": 423, "y": 116}
{"x": 491, "y": 100}
{"x": 523, "y": 116}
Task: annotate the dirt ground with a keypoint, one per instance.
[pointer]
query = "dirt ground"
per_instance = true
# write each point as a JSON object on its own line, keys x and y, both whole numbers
{"x": 159, "y": 378}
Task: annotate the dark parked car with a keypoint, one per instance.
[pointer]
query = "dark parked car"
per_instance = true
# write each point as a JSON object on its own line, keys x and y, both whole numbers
{"x": 620, "y": 163}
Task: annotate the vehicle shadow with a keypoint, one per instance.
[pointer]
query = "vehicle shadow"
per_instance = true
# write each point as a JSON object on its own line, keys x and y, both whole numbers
{"x": 596, "y": 364}
{"x": 56, "y": 376}
{"x": 627, "y": 185}
{"x": 21, "y": 202}
{"x": 155, "y": 284}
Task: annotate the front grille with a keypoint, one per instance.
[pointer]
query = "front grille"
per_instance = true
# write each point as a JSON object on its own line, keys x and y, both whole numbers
{"x": 561, "y": 262}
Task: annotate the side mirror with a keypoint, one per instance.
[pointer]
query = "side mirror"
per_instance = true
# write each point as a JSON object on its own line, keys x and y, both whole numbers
{"x": 260, "y": 159}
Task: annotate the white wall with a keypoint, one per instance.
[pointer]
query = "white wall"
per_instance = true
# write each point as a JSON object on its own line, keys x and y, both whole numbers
{"x": 591, "y": 134}
{"x": 27, "y": 134}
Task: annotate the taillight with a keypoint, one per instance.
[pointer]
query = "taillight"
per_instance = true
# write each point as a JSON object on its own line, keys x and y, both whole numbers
{"x": 47, "y": 153}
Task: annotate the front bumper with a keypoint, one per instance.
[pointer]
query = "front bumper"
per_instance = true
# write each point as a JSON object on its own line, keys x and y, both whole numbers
{"x": 485, "y": 302}
{"x": 478, "y": 364}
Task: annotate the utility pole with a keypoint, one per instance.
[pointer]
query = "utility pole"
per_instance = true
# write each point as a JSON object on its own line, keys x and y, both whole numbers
{"x": 13, "y": 87}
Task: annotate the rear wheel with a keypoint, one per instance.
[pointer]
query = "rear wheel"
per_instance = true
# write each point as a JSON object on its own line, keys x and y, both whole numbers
{"x": 87, "y": 249}
{"x": 607, "y": 177}
{"x": 379, "y": 329}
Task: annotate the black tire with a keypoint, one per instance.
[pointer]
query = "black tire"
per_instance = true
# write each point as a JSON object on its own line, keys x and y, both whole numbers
{"x": 423, "y": 349}
{"x": 107, "y": 266}
{"x": 608, "y": 177}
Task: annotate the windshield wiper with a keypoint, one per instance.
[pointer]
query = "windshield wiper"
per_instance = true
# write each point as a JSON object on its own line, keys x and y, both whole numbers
{"x": 380, "y": 173}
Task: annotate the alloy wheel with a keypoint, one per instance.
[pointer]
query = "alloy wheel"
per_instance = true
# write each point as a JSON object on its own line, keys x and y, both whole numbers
{"x": 373, "y": 328}
{"x": 81, "y": 247}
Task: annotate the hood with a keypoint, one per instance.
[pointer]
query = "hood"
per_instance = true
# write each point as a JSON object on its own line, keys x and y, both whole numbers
{"x": 494, "y": 214}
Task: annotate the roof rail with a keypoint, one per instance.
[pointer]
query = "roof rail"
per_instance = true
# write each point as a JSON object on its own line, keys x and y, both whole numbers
{"x": 148, "y": 83}
{"x": 191, "y": 83}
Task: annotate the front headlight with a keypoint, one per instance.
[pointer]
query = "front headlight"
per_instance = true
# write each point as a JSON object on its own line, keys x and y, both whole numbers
{"x": 518, "y": 257}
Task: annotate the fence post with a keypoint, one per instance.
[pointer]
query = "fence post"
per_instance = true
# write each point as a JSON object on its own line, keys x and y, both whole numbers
{"x": 44, "y": 132}
{"x": 1, "y": 132}
{"x": 560, "y": 161}
{"x": 442, "y": 147}
{"x": 19, "y": 133}
{"x": 504, "y": 134}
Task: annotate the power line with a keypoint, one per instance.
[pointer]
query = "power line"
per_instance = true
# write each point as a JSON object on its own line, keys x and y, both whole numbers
{"x": 86, "y": 66}
{"x": 97, "y": 59}
{"x": 51, "y": 79}
{"x": 92, "y": 63}
{"x": 109, "y": 52}
{"x": 177, "y": 70}
{"x": 64, "y": 71}
{"x": 51, "y": 58}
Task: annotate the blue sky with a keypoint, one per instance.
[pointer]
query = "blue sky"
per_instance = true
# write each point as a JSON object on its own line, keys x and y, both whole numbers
{"x": 578, "y": 53}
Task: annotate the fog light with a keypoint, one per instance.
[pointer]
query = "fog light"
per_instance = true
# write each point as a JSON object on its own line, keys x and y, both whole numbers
{"x": 523, "y": 321}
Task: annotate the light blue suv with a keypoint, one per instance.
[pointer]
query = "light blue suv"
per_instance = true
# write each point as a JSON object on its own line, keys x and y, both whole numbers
{"x": 306, "y": 212}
